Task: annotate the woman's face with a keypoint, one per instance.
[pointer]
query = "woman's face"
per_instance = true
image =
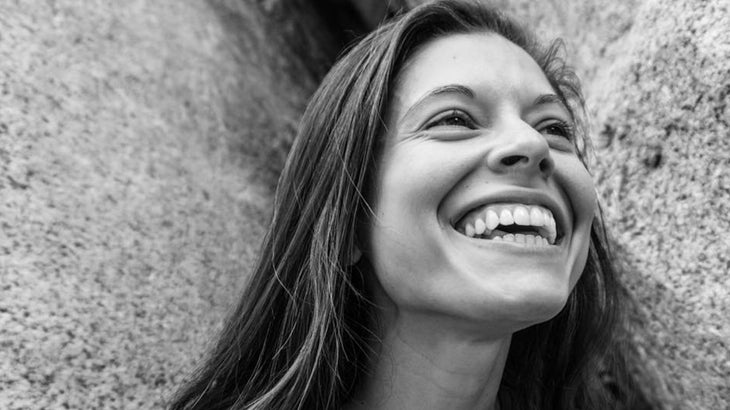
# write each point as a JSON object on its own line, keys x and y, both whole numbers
{"x": 482, "y": 207}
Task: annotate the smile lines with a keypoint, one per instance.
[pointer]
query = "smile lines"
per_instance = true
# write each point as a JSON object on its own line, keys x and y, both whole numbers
{"x": 528, "y": 224}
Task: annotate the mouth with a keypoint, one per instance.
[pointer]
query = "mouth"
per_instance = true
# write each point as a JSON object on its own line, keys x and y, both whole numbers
{"x": 511, "y": 222}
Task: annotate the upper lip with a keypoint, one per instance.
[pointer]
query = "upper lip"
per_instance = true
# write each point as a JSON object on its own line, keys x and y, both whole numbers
{"x": 527, "y": 197}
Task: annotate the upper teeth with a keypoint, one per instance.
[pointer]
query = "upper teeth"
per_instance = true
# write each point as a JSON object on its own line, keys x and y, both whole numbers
{"x": 485, "y": 219}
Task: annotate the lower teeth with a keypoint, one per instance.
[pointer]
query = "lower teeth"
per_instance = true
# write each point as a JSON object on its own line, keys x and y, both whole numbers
{"x": 518, "y": 238}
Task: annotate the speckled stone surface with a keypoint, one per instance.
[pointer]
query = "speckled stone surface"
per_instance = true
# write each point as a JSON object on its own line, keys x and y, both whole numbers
{"x": 138, "y": 142}
{"x": 663, "y": 166}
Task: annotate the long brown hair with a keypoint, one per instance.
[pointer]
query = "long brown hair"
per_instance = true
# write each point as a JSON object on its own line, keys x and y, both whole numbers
{"x": 300, "y": 336}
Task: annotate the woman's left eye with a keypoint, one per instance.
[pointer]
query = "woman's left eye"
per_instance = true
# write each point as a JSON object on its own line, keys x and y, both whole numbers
{"x": 452, "y": 119}
{"x": 558, "y": 128}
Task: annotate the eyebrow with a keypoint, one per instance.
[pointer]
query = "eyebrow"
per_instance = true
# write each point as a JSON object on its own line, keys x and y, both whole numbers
{"x": 546, "y": 99}
{"x": 444, "y": 89}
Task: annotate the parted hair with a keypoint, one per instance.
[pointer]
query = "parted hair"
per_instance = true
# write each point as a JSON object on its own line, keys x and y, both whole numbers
{"x": 301, "y": 336}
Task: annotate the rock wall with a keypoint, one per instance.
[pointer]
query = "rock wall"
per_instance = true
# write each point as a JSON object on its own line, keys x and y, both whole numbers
{"x": 138, "y": 145}
{"x": 139, "y": 142}
{"x": 663, "y": 167}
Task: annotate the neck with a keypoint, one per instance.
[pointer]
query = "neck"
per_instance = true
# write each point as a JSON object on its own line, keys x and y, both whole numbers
{"x": 423, "y": 364}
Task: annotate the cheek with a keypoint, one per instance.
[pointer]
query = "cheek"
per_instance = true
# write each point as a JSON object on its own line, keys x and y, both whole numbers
{"x": 410, "y": 187}
{"x": 580, "y": 192}
{"x": 404, "y": 237}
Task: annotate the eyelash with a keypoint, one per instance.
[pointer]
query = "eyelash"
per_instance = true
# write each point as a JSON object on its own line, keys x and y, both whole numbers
{"x": 467, "y": 121}
{"x": 564, "y": 129}
{"x": 559, "y": 127}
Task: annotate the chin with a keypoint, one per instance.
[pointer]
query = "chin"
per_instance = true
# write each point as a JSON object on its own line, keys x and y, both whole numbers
{"x": 541, "y": 309}
{"x": 529, "y": 305}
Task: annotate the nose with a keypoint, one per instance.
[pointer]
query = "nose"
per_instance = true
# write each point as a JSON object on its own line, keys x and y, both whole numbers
{"x": 523, "y": 150}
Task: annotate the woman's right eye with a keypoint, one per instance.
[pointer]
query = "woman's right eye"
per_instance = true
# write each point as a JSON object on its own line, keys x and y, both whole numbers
{"x": 452, "y": 119}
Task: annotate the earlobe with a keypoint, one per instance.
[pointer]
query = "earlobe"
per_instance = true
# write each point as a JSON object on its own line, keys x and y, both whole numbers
{"x": 355, "y": 256}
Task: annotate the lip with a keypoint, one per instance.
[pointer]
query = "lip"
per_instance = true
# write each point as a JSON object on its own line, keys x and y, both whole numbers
{"x": 527, "y": 197}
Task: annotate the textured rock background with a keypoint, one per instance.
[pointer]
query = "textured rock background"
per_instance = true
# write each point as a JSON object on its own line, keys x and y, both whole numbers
{"x": 139, "y": 142}
{"x": 663, "y": 116}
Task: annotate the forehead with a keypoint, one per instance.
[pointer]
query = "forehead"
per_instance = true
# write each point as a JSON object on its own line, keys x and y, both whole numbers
{"x": 485, "y": 62}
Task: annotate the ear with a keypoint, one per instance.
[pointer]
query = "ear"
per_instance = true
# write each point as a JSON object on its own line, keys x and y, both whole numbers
{"x": 355, "y": 256}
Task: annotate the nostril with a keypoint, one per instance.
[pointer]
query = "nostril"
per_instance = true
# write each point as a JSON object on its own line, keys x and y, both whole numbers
{"x": 512, "y": 159}
{"x": 546, "y": 166}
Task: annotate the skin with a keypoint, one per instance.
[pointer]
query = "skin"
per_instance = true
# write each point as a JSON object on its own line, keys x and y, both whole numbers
{"x": 471, "y": 122}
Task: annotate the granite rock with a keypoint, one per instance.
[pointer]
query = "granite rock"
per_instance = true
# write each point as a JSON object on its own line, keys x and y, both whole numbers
{"x": 139, "y": 142}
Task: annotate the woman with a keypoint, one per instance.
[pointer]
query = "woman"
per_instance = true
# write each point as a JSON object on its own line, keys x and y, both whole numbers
{"x": 434, "y": 242}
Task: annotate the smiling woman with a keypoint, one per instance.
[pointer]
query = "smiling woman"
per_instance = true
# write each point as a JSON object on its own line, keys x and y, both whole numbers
{"x": 436, "y": 240}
